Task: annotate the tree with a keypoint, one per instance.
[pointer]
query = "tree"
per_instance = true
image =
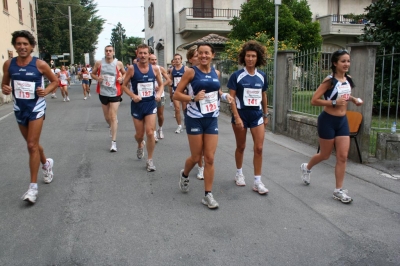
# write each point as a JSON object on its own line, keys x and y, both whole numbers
{"x": 383, "y": 27}
{"x": 117, "y": 40}
{"x": 295, "y": 22}
{"x": 129, "y": 47}
{"x": 53, "y": 28}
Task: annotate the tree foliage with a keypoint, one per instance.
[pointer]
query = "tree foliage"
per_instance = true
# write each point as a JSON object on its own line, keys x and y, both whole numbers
{"x": 53, "y": 28}
{"x": 384, "y": 27}
{"x": 295, "y": 22}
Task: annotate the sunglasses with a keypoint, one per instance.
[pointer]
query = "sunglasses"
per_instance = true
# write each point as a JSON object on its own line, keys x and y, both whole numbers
{"x": 342, "y": 51}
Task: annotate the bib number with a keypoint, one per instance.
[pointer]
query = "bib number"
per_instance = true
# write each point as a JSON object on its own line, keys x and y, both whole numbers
{"x": 24, "y": 90}
{"x": 85, "y": 76}
{"x": 344, "y": 91}
{"x": 210, "y": 103}
{"x": 108, "y": 81}
{"x": 252, "y": 97}
{"x": 176, "y": 81}
{"x": 63, "y": 82}
{"x": 145, "y": 89}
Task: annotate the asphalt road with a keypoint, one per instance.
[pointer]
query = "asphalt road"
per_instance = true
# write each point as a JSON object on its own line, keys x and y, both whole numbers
{"x": 105, "y": 209}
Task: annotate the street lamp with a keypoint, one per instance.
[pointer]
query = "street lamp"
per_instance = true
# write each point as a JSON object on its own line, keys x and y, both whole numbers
{"x": 277, "y": 4}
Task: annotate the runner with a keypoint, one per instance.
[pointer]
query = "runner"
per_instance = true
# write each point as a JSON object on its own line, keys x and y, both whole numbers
{"x": 202, "y": 119}
{"x": 109, "y": 73}
{"x": 160, "y": 105}
{"x": 63, "y": 77}
{"x": 84, "y": 75}
{"x": 89, "y": 69}
{"x": 171, "y": 103}
{"x": 143, "y": 106}
{"x": 175, "y": 76}
{"x": 248, "y": 86}
{"x": 25, "y": 73}
{"x": 53, "y": 93}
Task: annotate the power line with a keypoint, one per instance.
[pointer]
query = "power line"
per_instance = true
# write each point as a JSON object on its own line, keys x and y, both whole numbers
{"x": 56, "y": 3}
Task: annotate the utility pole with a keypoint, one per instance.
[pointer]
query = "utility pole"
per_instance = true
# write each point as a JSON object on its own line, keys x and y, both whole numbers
{"x": 277, "y": 4}
{"x": 71, "y": 45}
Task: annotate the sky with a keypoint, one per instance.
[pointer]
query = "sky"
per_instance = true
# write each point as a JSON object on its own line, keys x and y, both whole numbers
{"x": 130, "y": 13}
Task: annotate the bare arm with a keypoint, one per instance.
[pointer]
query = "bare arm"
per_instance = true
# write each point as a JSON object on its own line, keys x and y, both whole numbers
{"x": 159, "y": 81}
{"x": 179, "y": 95}
{"x": 5, "y": 83}
{"x": 44, "y": 68}
{"x": 95, "y": 70}
{"x": 128, "y": 75}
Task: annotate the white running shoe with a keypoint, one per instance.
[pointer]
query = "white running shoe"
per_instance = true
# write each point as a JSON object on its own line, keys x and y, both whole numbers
{"x": 178, "y": 130}
{"x": 239, "y": 179}
{"x": 260, "y": 188}
{"x": 113, "y": 146}
{"x": 64, "y": 100}
{"x": 183, "y": 182}
{"x": 53, "y": 96}
{"x": 200, "y": 173}
{"x": 140, "y": 151}
{"x": 85, "y": 98}
{"x": 68, "y": 99}
{"x": 305, "y": 174}
{"x": 48, "y": 172}
{"x": 160, "y": 133}
{"x": 150, "y": 165}
{"x": 171, "y": 104}
{"x": 30, "y": 195}
{"x": 155, "y": 136}
{"x": 89, "y": 95}
{"x": 210, "y": 201}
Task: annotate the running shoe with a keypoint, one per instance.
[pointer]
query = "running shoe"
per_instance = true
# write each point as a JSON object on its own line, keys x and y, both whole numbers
{"x": 342, "y": 196}
{"x": 30, "y": 195}
{"x": 305, "y": 174}
{"x": 183, "y": 182}
{"x": 68, "y": 99}
{"x": 89, "y": 95}
{"x": 155, "y": 136}
{"x": 64, "y": 99}
{"x": 140, "y": 151}
{"x": 239, "y": 179}
{"x": 171, "y": 104}
{"x": 53, "y": 96}
{"x": 260, "y": 188}
{"x": 113, "y": 146}
{"x": 150, "y": 166}
{"x": 210, "y": 201}
{"x": 48, "y": 172}
{"x": 200, "y": 173}
{"x": 85, "y": 98}
{"x": 160, "y": 133}
{"x": 178, "y": 130}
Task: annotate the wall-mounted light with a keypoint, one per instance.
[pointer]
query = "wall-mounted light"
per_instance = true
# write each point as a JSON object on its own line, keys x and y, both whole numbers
{"x": 195, "y": 26}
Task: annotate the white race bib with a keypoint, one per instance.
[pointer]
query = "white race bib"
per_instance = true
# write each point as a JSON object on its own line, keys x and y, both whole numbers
{"x": 64, "y": 82}
{"x": 176, "y": 81}
{"x": 108, "y": 81}
{"x": 252, "y": 97}
{"x": 24, "y": 90}
{"x": 145, "y": 89}
{"x": 85, "y": 76}
{"x": 344, "y": 91}
{"x": 210, "y": 103}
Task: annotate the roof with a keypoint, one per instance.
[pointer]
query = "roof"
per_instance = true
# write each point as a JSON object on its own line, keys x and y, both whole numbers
{"x": 212, "y": 38}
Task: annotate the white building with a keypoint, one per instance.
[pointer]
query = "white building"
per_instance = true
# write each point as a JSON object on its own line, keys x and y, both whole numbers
{"x": 170, "y": 25}
{"x": 16, "y": 15}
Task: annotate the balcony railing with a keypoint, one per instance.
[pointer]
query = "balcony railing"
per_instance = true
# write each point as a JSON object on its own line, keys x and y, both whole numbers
{"x": 210, "y": 12}
{"x": 348, "y": 20}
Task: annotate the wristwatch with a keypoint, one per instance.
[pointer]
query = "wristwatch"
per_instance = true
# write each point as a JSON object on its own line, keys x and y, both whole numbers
{"x": 334, "y": 103}
{"x": 266, "y": 115}
{"x": 192, "y": 99}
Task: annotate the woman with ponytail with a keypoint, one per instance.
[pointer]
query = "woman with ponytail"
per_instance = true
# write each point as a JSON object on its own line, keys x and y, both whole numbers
{"x": 334, "y": 93}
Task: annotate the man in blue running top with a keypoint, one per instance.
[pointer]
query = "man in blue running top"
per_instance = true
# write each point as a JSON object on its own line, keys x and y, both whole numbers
{"x": 142, "y": 77}
{"x": 23, "y": 77}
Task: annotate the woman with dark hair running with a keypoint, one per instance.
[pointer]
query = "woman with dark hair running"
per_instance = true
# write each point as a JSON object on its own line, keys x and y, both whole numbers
{"x": 333, "y": 128}
{"x": 85, "y": 82}
{"x": 202, "y": 118}
{"x": 248, "y": 86}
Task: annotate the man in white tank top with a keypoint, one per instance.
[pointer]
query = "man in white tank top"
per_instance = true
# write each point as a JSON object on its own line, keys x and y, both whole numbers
{"x": 109, "y": 73}
{"x": 160, "y": 105}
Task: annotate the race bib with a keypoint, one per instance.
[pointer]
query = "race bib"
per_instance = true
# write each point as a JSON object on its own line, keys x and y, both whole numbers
{"x": 344, "y": 91}
{"x": 24, "y": 90}
{"x": 64, "y": 82}
{"x": 108, "y": 81}
{"x": 210, "y": 103}
{"x": 85, "y": 76}
{"x": 252, "y": 97}
{"x": 145, "y": 89}
{"x": 176, "y": 81}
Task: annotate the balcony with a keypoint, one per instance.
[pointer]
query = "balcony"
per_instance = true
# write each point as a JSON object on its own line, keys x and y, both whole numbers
{"x": 333, "y": 25}
{"x": 205, "y": 20}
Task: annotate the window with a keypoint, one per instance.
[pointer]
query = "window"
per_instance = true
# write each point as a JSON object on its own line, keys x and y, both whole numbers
{"x": 5, "y": 5}
{"x": 150, "y": 15}
{"x": 31, "y": 15}
{"x": 203, "y": 8}
{"x": 20, "y": 11}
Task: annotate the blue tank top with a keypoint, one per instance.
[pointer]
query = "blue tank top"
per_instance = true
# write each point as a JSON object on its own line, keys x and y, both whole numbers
{"x": 24, "y": 82}
{"x": 208, "y": 107}
{"x": 143, "y": 84}
{"x": 176, "y": 76}
{"x": 338, "y": 89}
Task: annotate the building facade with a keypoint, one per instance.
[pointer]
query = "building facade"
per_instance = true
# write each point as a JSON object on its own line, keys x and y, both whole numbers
{"x": 172, "y": 24}
{"x": 16, "y": 15}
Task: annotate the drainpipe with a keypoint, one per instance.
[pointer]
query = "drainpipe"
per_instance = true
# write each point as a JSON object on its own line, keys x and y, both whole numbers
{"x": 173, "y": 28}
{"x": 338, "y": 11}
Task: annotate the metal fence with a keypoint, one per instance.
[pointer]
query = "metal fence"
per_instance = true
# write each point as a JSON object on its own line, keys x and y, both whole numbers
{"x": 386, "y": 95}
{"x": 309, "y": 69}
